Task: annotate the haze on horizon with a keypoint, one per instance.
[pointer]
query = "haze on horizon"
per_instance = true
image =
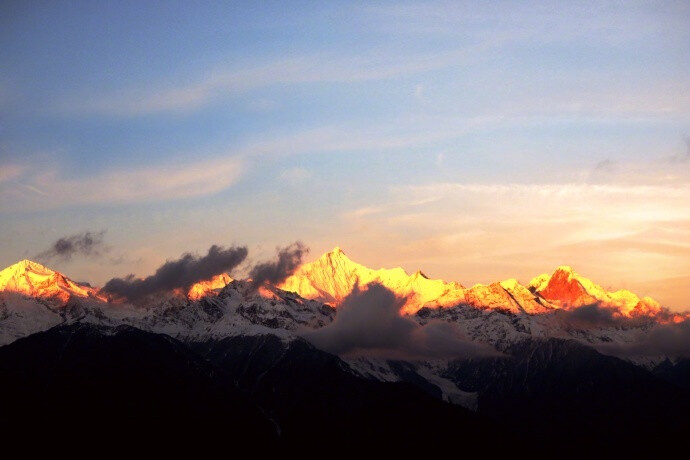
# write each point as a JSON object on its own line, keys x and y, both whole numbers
{"x": 474, "y": 142}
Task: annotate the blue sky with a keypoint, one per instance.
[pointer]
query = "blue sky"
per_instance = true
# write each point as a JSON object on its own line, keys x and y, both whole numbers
{"x": 476, "y": 142}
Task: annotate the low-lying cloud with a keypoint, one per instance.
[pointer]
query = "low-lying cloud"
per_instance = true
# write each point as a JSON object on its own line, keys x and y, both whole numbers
{"x": 652, "y": 338}
{"x": 180, "y": 273}
{"x": 590, "y": 317}
{"x": 671, "y": 340}
{"x": 275, "y": 272}
{"x": 88, "y": 244}
{"x": 369, "y": 321}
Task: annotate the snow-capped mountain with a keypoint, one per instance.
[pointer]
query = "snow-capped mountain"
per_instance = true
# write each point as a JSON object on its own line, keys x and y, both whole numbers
{"x": 332, "y": 277}
{"x": 32, "y": 279}
{"x": 566, "y": 289}
{"x": 503, "y": 315}
{"x": 33, "y": 297}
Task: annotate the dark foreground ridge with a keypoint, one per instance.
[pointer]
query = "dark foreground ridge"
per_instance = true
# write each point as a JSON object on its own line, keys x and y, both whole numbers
{"x": 101, "y": 384}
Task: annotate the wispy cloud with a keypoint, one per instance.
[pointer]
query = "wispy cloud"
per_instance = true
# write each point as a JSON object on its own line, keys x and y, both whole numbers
{"x": 296, "y": 175}
{"x": 614, "y": 233}
{"x": 8, "y": 172}
{"x": 544, "y": 22}
{"x": 55, "y": 188}
{"x": 682, "y": 157}
{"x": 52, "y": 186}
{"x": 363, "y": 212}
{"x": 209, "y": 86}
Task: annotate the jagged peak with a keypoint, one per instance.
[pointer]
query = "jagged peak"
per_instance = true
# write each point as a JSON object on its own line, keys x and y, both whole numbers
{"x": 510, "y": 284}
{"x": 540, "y": 282}
{"x": 335, "y": 254}
{"x": 565, "y": 269}
{"x": 420, "y": 274}
{"x": 332, "y": 277}
{"x": 27, "y": 265}
{"x": 32, "y": 279}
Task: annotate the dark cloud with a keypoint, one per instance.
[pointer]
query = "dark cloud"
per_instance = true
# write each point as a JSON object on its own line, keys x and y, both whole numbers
{"x": 606, "y": 166}
{"x": 288, "y": 260}
{"x": 596, "y": 316}
{"x": 369, "y": 321}
{"x": 180, "y": 273}
{"x": 651, "y": 338}
{"x": 672, "y": 340}
{"x": 589, "y": 317}
{"x": 88, "y": 244}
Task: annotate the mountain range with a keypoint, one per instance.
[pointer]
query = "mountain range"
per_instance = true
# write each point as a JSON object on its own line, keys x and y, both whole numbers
{"x": 528, "y": 360}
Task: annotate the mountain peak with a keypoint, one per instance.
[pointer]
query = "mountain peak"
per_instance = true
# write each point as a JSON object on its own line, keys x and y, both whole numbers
{"x": 335, "y": 254}
{"x": 208, "y": 287}
{"x": 23, "y": 268}
{"x": 32, "y": 279}
{"x": 565, "y": 268}
{"x": 420, "y": 274}
{"x": 333, "y": 276}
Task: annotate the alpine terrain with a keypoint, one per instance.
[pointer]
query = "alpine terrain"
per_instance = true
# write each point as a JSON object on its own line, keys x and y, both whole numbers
{"x": 309, "y": 361}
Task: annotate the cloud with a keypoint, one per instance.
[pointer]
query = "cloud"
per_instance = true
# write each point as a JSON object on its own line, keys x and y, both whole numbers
{"x": 296, "y": 175}
{"x": 180, "y": 273}
{"x": 671, "y": 340}
{"x": 8, "y": 172}
{"x": 362, "y": 212}
{"x": 682, "y": 157}
{"x": 596, "y": 316}
{"x": 52, "y": 188}
{"x": 440, "y": 159}
{"x": 369, "y": 321}
{"x": 589, "y": 317}
{"x": 605, "y": 166}
{"x": 623, "y": 235}
{"x": 209, "y": 87}
{"x": 88, "y": 244}
{"x": 288, "y": 260}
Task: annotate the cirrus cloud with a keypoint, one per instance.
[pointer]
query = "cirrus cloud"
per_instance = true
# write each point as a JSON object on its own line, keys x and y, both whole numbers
{"x": 54, "y": 188}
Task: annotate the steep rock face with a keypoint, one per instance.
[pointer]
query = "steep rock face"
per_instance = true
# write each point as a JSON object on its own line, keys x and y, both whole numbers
{"x": 34, "y": 280}
{"x": 492, "y": 296}
{"x": 565, "y": 288}
{"x": 530, "y": 303}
